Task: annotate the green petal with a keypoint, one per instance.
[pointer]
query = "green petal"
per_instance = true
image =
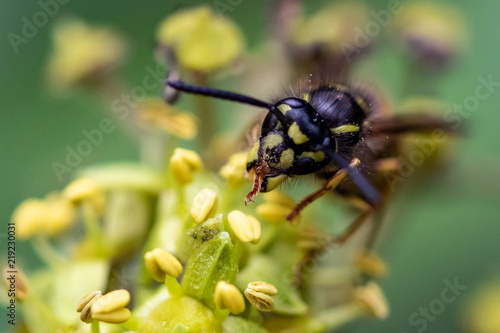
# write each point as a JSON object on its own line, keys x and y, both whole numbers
{"x": 211, "y": 262}
{"x": 199, "y": 234}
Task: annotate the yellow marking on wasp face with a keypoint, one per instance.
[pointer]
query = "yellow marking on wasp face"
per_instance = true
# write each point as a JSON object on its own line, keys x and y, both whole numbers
{"x": 286, "y": 158}
{"x": 284, "y": 108}
{"x": 306, "y": 97}
{"x": 273, "y": 182}
{"x": 318, "y": 156}
{"x": 253, "y": 155}
{"x": 345, "y": 129}
{"x": 271, "y": 141}
{"x": 296, "y": 134}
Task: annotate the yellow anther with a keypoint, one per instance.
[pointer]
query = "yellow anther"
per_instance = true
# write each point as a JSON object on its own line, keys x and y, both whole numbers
{"x": 85, "y": 305}
{"x": 245, "y": 227}
{"x": 153, "y": 112}
{"x": 49, "y": 216}
{"x": 113, "y": 317}
{"x": 28, "y": 217}
{"x": 263, "y": 287}
{"x": 204, "y": 205}
{"x": 110, "y": 308}
{"x": 234, "y": 171}
{"x": 184, "y": 163}
{"x": 81, "y": 189}
{"x": 259, "y": 295}
{"x": 276, "y": 207}
{"x": 60, "y": 214}
{"x": 161, "y": 263}
{"x": 296, "y": 134}
{"x": 228, "y": 296}
{"x": 372, "y": 300}
{"x": 371, "y": 264}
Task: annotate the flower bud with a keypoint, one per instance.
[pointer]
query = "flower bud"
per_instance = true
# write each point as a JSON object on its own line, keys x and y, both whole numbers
{"x": 202, "y": 41}
{"x": 82, "y": 52}
{"x": 432, "y": 34}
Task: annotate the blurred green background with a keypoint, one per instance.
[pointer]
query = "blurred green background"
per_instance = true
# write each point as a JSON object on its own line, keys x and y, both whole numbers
{"x": 446, "y": 227}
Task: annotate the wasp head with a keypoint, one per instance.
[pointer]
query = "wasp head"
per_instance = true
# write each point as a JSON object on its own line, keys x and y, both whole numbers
{"x": 292, "y": 142}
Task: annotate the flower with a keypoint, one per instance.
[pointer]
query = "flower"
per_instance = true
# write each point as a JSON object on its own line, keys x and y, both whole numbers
{"x": 82, "y": 52}
{"x": 202, "y": 40}
{"x": 333, "y": 31}
{"x": 431, "y": 34}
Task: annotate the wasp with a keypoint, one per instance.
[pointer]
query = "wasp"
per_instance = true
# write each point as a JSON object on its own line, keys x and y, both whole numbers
{"x": 338, "y": 134}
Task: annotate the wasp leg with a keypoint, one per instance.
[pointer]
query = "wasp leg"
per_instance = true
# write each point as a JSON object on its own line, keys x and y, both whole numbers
{"x": 329, "y": 185}
{"x": 303, "y": 267}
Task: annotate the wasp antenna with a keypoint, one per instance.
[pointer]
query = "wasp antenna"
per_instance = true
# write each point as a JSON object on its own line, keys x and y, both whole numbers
{"x": 227, "y": 95}
{"x": 216, "y": 93}
{"x": 369, "y": 191}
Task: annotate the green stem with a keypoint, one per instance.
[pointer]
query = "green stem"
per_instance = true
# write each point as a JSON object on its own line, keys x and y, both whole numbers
{"x": 174, "y": 288}
{"x": 91, "y": 221}
{"x": 204, "y": 107}
{"x": 95, "y": 327}
{"x": 181, "y": 199}
{"x": 47, "y": 253}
